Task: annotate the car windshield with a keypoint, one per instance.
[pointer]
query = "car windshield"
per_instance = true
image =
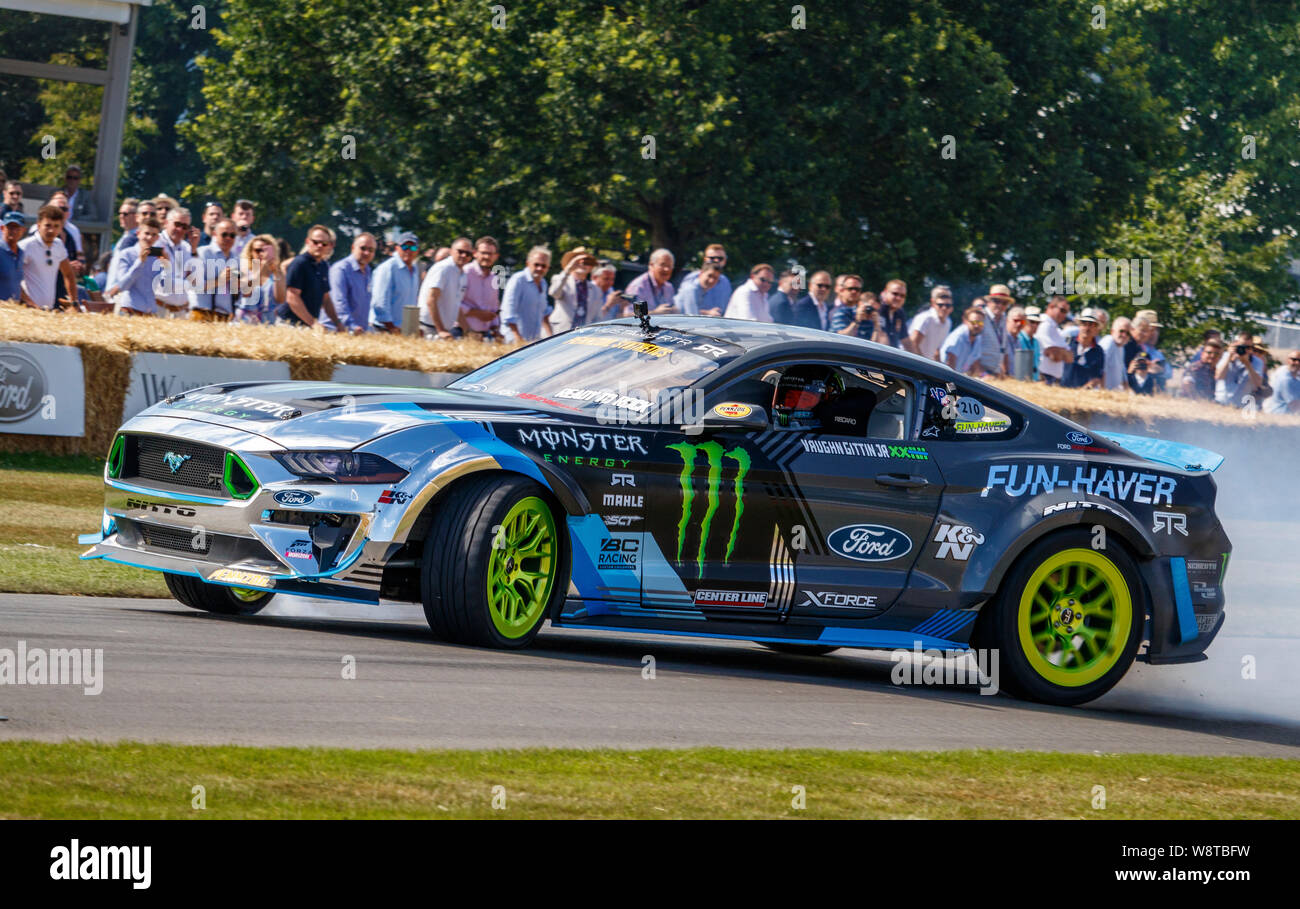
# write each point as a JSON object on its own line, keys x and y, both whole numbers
{"x": 617, "y": 367}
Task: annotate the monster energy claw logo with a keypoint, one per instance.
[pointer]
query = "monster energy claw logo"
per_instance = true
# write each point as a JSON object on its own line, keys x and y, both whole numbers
{"x": 713, "y": 454}
{"x": 174, "y": 461}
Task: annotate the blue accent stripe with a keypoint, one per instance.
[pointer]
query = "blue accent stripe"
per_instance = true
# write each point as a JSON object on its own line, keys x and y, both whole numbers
{"x": 168, "y": 494}
{"x": 1183, "y": 600}
{"x": 944, "y": 622}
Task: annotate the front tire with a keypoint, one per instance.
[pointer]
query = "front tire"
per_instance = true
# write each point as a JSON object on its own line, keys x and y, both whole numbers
{"x": 199, "y": 594}
{"x": 492, "y": 563}
{"x": 1067, "y": 620}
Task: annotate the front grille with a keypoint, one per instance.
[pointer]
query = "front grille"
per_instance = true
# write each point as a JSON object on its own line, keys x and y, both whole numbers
{"x": 198, "y": 466}
{"x": 177, "y": 539}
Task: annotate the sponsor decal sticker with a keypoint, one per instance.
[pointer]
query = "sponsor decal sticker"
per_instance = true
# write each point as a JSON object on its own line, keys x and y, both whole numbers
{"x": 240, "y": 407}
{"x": 714, "y": 456}
{"x": 827, "y": 599}
{"x": 605, "y": 397}
{"x": 1170, "y": 522}
{"x": 294, "y": 497}
{"x": 394, "y": 497}
{"x": 243, "y": 578}
{"x": 299, "y": 549}
{"x": 1205, "y": 590}
{"x": 733, "y": 411}
{"x": 756, "y": 598}
{"x": 1142, "y": 488}
{"x": 583, "y": 441}
{"x": 970, "y": 409}
{"x": 641, "y": 347}
{"x": 1065, "y": 506}
{"x": 623, "y": 479}
{"x": 620, "y": 554}
{"x": 983, "y": 427}
{"x": 1078, "y": 438}
{"x": 620, "y": 520}
{"x": 180, "y": 511}
{"x": 1203, "y": 565}
{"x": 956, "y": 541}
{"x": 864, "y": 449}
{"x": 869, "y": 542}
{"x": 619, "y": 500}
{"x": 581, "y": 461}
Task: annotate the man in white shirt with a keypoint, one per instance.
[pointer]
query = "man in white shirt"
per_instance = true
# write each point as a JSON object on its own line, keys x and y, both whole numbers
{"x": 45, "y": 260}
{"x": 180, "y": 238}
{"x": 749, "y": 301}
{"x": 442, "y": 291}
{"x": 930, "y": 328}
{"x": 1056, "y": 351}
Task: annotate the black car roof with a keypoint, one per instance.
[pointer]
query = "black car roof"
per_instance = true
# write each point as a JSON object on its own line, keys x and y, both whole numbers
{"x": 762, "y": 338}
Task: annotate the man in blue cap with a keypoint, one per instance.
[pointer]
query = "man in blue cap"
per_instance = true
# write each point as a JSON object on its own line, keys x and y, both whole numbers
{"x": 11, "y": 258}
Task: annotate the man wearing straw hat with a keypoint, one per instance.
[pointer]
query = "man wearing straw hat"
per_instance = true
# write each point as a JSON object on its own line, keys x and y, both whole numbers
{"x": 576, "y": 297}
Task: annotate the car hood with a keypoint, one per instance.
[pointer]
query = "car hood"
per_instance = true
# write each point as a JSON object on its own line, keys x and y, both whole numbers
{"x": 331, "y": 415}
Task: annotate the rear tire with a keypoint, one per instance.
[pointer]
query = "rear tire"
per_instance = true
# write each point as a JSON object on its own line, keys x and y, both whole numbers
{"x": 493, "y": 563}
{"x": 1067, "y": 620}
{"x": 198, "y": 594}
{"x": 798, "y": 649}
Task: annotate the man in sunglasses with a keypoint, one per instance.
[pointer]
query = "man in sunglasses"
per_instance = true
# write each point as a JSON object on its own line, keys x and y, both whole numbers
{"x": 813, "y": 309}
{"x": 350, "y": 287}
{"x": 396, "y": 286}
{"x": 213, "y": 290}
{"x": 892, "y": 300}
{"x": 45, "y": 261}
{"x": 13, "y": 197}
{"x": 11, "y": 258}
{"x": 308, "y": 281}
{"x": 180, "y": 240}
{"x": 442, "y": 292}
{"x": 856, "y": 314}
{"x": 929, "y": 329}
{"x": 1286, "y": 386}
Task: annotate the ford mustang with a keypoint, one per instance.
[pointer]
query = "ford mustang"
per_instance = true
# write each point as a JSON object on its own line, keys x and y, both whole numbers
{"x": 689, "y": 476}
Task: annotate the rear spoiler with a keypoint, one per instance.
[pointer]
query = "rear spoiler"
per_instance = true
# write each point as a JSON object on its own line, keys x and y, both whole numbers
{"x": 1162, "y": 451}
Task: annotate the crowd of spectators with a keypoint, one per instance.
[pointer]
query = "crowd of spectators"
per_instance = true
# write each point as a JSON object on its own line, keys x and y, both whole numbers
{"x": 165, "y": 265}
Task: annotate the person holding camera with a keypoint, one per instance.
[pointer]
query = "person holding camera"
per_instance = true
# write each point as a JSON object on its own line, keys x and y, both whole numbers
{"x": 136, "y": 268}
{"x": 1239, "y": 373}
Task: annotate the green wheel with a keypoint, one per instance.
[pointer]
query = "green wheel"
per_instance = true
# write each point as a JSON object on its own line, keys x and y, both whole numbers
{"x": 493, "y": 562}
{"x": 521, "y": 569}
{"x": 1068, "y": 620}
{"x": 198, "y": 594}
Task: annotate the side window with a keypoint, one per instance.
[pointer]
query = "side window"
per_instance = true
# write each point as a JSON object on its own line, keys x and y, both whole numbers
{"x": 953, "y": 413}
{"x": 840, "y": 400}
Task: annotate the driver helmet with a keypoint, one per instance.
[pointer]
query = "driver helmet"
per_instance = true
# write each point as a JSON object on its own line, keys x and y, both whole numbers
{"x": 799, "y": 393}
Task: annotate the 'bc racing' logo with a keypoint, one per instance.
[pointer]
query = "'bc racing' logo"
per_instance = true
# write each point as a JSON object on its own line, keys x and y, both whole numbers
{"x": 714, "y": 456}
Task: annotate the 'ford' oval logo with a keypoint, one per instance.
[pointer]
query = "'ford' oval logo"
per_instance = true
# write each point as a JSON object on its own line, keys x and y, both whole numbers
{"x": 869, "y": 542}
{"x": 294, "y": 497}
{"x": 22, "y": 385}
{"x": 1079, "y": 438}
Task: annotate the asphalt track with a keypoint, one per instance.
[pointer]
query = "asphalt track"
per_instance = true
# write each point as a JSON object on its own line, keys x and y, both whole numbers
{"x": 173, "y": 674}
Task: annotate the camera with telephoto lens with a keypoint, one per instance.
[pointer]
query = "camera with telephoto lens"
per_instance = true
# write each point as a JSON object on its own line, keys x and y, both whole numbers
{"x": 1241, "y": 349}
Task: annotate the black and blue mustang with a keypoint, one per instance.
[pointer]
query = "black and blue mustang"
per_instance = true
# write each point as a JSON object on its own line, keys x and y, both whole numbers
{"x": 692, "y": 476}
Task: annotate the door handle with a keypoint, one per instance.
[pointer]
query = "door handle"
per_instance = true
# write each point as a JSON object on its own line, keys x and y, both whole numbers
{"x": 901, "y": 481}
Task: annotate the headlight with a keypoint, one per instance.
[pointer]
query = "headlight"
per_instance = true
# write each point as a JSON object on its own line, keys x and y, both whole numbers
{"x": 341, "y": 466}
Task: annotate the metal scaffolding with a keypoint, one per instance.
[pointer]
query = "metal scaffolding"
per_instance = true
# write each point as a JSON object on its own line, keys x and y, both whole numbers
{"x": 123, "y": 16}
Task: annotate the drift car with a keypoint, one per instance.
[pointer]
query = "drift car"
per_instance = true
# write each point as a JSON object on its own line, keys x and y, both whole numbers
{"x": 703, "y": 477}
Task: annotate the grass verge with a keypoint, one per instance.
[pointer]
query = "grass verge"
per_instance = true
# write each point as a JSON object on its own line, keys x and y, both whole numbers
{"x": 129, "y": 780}
{"x": 49, "y": 500}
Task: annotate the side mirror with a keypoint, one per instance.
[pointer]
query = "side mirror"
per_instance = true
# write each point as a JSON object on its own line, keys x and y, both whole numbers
{"x": 730, "y": 417}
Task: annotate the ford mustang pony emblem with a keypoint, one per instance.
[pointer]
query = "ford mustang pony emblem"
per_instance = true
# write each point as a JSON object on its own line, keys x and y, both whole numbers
{"x": 174, "y": 460}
